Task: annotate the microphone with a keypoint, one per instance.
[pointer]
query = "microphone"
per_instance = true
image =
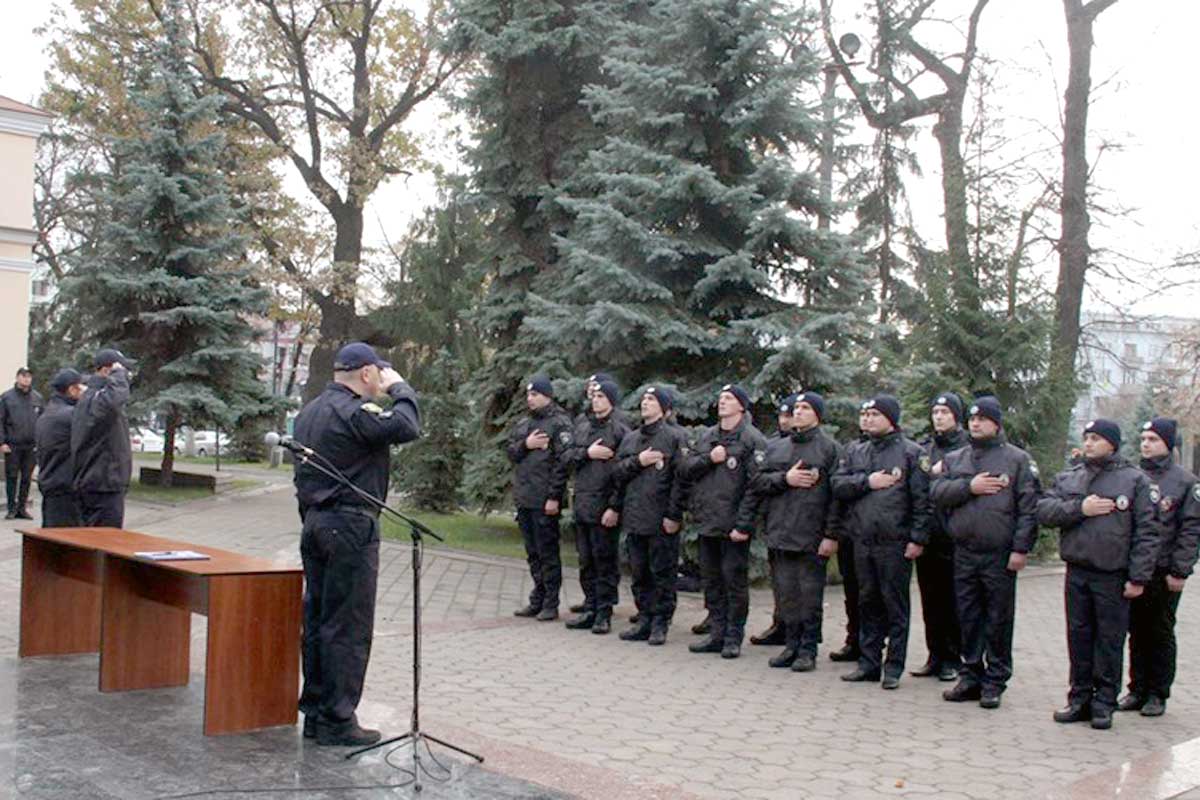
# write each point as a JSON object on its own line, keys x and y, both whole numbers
{"x": 273, "y": 439}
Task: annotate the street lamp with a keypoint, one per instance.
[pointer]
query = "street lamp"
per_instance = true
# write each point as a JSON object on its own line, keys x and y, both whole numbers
{"x": 850, "y": 45}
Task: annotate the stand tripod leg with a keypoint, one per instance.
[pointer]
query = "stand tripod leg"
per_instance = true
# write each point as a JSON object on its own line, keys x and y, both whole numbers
{"x": 453, "y": 747}
{"x": 377, "y": 745}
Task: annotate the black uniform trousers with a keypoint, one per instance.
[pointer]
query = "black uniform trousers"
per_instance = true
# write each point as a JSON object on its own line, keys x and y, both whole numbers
{"x": 1097, "y": 620}
{"x": 102, "y": 509}
{"x": 799, "y": 580}
{"x": 845, "y": 561}
{"x": 653, "y": 561}
{"x": 540, "y": 534}
{"x": 777, "y": 610}
{"x": 18, "y": 475}
{"x": 340, "y": 551}
{"x": 935, "y": 580}
{"x": 1152, "y": 639}
{"x": 986, "y": 592}
{"x": 60, "y": 510}
{"x": 883, "y": 605}
{"x": 725, "y": 571}
{"x": 599, "y": 549}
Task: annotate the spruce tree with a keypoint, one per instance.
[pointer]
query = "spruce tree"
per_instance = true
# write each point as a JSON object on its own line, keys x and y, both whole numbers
{"x": 167, "y": 282}
{"x": 693, "y": 257}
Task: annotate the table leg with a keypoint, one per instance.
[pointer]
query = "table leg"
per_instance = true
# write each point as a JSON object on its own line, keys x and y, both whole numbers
{"x": 60, "y": 599}
{"x": 252, "y": 676}
{"x": 146, "y": 626}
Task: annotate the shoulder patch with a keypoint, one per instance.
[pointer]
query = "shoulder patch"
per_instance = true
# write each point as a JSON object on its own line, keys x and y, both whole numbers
{"x": 759, "y": 457}
{"x": 371, "y": 408}
{"x": 924, "y": 463}
{"x": 1033, "y": 467}
{"x": 1196, "y": 492}
{"x": 564, "y": 437}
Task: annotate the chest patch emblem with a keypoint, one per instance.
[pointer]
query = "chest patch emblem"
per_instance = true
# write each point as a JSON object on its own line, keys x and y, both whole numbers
{"x": 897, "y": 472}
{"x": 731, "y": 462}
{"x": 1122, "y": 503}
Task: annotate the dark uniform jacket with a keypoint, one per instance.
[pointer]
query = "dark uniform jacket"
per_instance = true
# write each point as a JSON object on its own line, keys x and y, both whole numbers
{"x": 798, "y": 519}
{"x": 936, "y": 448}
{"x": 721, "y": 500}
{"x": 1005, "y": 521}
{"x": 56, "y": 472}
{"x": 594, "y": 479}
{"x": 541, "y": 475}
{"x": 898, "y": 514}
{"x": 355, "y": 434}
{"x": 100, "y": 448}
{"x": 1177, "y": 494}
{"x": 645, "y": 496}
{"x": 1125, "y": 540}
{"x": 19, "y": 411}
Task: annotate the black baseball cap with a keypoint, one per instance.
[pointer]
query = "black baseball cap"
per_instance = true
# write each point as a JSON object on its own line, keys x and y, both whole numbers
{"x": 357, "y": 355}
{"x": 65, "y": 379}
{"x": 109, "y": 356}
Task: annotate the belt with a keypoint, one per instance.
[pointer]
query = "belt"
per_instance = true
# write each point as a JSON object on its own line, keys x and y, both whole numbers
{"x": 350, "y": 508}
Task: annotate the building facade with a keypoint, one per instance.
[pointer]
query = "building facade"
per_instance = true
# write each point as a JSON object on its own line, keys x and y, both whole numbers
{"x": 20, "y": 127}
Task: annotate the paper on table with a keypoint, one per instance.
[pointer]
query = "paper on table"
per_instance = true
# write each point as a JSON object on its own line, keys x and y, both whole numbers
{"x": 171, "y": 555}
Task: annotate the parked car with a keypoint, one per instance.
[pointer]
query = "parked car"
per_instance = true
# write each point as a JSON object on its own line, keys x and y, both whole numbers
{"x": 203, "y": 443}
{"x": 144, "y": 440}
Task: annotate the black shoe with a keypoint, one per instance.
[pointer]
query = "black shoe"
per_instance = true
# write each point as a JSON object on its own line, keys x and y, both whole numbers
{"x": 703, "y": 627}
{"x": 962, "y": 691}
{"x": 578, "y": 608}
{"x": 776, "y": 634}
{"x": 1102, "y": 718}
{"x": 891, "y": 682}
{"x": 581, "y": 622}
{"x": 346, "y": 736}
{"x": 861, "y": 675}
{"x": 1131, "y": 702}
{"x": 24, "y": 515}
{"x": 635, "y": 618}
{"x": 547, "y": 615}
{"x": 310, "y": 726}
{"x": 990, "y": 699}
{"x": 638, "y": 633}
{"x": 1155, "y": 707}
{"x": 804, "y": 663}
{"x": 603, "y": 623}
{"x": 732, "y": 649}
{"x": 713, "y": 644}
{"x": 947, "y": 673}
{"x": 784, "y": 659}
{"x": 847, "y": 653}
{"x": 658, "y": 635}
{"x": 527, "y": 611}
{"x": 926, "y": 670}
{"x": 1073, "y": 714}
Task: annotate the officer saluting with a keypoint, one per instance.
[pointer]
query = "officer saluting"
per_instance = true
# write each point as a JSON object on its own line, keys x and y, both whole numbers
{"x": 100, "y": 449}
{"x": 340, "y": 542}
{"x": 1109, "y": 539}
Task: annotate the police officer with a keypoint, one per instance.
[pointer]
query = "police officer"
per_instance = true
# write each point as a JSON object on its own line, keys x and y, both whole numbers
{"x": 777, "y": 632}
{"x": 887, "y": 494}
{"x": 1109, "y": 539}
{"x": 346, "y": 428}
{"x": 101, "y": 457}
{"x": 592, "y": 455}
{"x": 849, "y": 651}
{"x": 1152, "y": 616}
{"x": 935, "y": 567}
{"x": 802, "y": 522}
{"x": 20, "y": 407}
{"x": 718, "y": 474}
{"x": 987, "y": 494}
{"x": 537, "y": 445}
{"x": 647, "y": 501}
{"x": 56, "y": 476}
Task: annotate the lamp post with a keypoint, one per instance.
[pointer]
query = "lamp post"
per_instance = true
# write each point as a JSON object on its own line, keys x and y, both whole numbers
{"x": 850, "y": 45}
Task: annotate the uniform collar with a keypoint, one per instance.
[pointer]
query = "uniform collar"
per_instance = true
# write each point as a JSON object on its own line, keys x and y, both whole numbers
{"x": 341, "y": 387}
{"x": 64, "y": 399}
{"x": 651, "y": 428}
{"x": 17, "y": 387}
{"x": 951, "y": 439}
{"x": 1108, "y": 462}
{"x": 806, "y": 436}
{"x": 886, "y": 439}
{"x": 989, "y": 443}
{"x": 1157, "y": 465}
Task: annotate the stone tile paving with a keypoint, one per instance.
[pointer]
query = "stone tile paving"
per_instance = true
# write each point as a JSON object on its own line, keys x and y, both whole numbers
{"x": 592, "y": 716}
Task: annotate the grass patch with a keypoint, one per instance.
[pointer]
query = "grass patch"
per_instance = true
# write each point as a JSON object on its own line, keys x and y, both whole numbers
{"x": 174, "y": 495}
{"x": 156, "y": 459}
{"x": 493, "y": 535}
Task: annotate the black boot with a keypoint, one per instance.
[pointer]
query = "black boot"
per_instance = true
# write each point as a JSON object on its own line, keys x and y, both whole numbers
{"x": 990, "y": 698}
{"x": 703, "y": 627}
{"x": 962, "y": 691}
{"x": 733, "y": 643}
{"x": 603, "y": 622}
{"x": 1080, "y": 713}
{"x": 582, "y": 622}
{"x": 926, "y": 670}
{"x": 861, "y": 675}
{"x": 579, "y": 608}
{"x": 547, "y": 615}
{"x": 527, "y": 611}
{"x": 947, "y": 672}
{"x": 658, "y": 632}
{"x": 1131, "y": 702}
{"x": 713, "y": 644}
{"x": 638, "y": 633}
{"x": 776, "y": 634}
{"x": 1102, "y": 718}
{"x": 347, "y": 735}
{"x": 1155, "y": 706}
{"x": 848, "y": 653}
{"x": 784, "y": 659}
{"x": 804, "y": 663}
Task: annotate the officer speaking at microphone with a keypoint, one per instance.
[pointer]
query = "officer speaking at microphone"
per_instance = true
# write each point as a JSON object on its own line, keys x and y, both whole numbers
{"x": 339, "y": 546}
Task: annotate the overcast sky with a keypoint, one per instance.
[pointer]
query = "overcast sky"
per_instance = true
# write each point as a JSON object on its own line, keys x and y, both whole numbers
{"x": 1143, "y": 46}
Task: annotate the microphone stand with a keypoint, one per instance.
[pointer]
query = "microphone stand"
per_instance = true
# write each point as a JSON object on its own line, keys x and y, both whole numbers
{"x": 417, "y": 531}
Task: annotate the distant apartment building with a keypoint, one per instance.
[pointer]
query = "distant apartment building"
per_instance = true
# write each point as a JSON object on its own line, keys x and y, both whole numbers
{"x": 1121, "y": 358}
{"x": 20, "y": 127}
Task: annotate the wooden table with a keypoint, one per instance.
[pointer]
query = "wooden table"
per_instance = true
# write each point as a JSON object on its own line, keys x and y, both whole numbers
{"x": 84, "y": 591}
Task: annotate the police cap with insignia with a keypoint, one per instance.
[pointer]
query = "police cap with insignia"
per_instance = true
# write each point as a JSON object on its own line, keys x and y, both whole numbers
{"x": 541, "y": 384}
{"x": 1105, "y": 429}
{"x": 951, "y": 401}
{"x": 109, "y": 356}
{"x": 815, "y": 401}
{"x": 1164, "y": 428}
{"x": 739, "y": 393}
{"x": 357, "y": 355}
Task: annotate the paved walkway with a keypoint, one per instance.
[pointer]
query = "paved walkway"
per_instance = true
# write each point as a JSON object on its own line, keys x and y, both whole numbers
{"x": 591, "y": 716}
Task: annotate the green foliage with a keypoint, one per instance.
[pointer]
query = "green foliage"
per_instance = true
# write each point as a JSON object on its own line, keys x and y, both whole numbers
{"x": 430, "y": 470}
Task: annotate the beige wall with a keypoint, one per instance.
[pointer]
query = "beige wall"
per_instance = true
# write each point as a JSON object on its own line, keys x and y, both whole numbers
{"x": 14, "y": 323}
{"x": 16, "y": 165}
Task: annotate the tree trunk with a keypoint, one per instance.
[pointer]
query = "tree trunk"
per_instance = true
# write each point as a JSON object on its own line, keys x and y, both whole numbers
{"x": 339, "y": 320}
{"x": 948, "y": 132}
{"x": 167, "y": 467}
{"x": 1073, "y": 248}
